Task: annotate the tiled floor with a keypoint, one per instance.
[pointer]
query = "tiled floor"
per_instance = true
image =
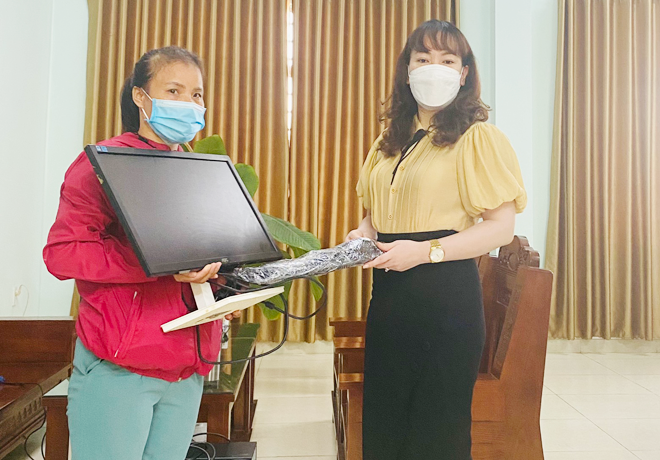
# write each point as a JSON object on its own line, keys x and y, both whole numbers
{"x": 595, "y": 406}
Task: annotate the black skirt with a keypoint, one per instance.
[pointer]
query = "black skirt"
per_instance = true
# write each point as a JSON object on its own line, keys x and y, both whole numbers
{"x": 425, "y": 335}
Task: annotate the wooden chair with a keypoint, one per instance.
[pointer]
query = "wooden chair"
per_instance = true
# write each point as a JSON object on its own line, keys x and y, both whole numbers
{"x": 507, "y": 396}
{"x": 36, "y": 354}
{"x": 348, "y": 366}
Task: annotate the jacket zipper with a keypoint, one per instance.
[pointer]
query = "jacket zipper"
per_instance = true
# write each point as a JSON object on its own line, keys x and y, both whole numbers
{"x": 134, "y": 296}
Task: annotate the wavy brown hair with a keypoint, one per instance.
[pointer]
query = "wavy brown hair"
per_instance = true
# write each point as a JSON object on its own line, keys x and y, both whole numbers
{"x": 450, "y": 123}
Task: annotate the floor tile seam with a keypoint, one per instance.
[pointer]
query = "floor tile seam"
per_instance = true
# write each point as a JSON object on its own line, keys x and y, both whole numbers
{"x": 620, "y": 374}
{"x": 594, "y": 424}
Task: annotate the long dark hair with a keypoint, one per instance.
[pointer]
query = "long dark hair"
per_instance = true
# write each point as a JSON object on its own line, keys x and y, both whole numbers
{"x": 451, "y": 122}
{"x": 143, "y": 72}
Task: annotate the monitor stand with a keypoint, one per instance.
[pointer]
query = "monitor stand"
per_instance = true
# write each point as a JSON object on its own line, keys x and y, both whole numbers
{"x": 210, "y": 310}
{"x": 203, "y": 295}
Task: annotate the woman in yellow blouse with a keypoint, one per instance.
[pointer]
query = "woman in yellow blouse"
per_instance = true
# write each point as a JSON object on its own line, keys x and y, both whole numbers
{"x": 440, "y": 188}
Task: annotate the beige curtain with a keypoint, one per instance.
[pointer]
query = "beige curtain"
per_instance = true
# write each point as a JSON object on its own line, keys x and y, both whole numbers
{"x": 604, "y": 231}
{"x": 344, "y": 60}
{"x": 243, "y": 46}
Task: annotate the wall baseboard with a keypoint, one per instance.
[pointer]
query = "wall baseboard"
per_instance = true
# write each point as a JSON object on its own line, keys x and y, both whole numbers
{"x": 603, "y": 346}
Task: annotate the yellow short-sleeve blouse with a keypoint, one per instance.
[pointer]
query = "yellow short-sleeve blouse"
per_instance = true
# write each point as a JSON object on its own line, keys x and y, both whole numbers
{"x": 442, "y": 188}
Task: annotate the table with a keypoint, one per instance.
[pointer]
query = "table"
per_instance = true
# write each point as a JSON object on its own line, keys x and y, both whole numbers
{"x": 227, "y": 403}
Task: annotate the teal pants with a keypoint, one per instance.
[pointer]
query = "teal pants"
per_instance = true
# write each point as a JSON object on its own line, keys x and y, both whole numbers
{"x": 115, "y": 414}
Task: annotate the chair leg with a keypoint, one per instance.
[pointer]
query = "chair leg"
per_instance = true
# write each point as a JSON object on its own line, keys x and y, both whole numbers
{"x": 354, "y": 424}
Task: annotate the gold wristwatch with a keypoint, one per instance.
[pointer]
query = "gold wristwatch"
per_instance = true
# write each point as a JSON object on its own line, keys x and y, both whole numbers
{"x": 436, "y": 254}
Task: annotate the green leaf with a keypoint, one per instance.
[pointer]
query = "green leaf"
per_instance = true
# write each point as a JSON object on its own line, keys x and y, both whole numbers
{"x": 317, "y": 292}
{"x": 297, "y": 252}
{"x": 249, "y": 177}
{"x": 212, "y": 144}
{"x": 289, "y": 234}
{"x": 270, "y": 315}
{"x": 277, "y": 301}
{"x": 287, "y": 289}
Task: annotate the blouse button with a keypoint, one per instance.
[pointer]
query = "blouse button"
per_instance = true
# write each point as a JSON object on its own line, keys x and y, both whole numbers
{"x": 389, "y": 217}
{"x": 393, "y": 190}
{"x": 403, "y": 168}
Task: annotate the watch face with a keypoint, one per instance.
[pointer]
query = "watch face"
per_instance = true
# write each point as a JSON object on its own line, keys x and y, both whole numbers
{"x": 437, "y": 255}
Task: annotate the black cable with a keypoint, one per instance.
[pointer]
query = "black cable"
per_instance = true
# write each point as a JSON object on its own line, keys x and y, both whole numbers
{"x": 194, "y": 446}
{"x": 249, "y": 358}
{"x": 215, "y": 452}
{"x": 205, "y": 443}
{"x": 285, "y": 312}
{"x": 202, "y": 444}
{"x": 20, "y": 384}
{"x": 27, "y": 438}
{"x": 322, "y": 302}
{"x": 245, "y": 288}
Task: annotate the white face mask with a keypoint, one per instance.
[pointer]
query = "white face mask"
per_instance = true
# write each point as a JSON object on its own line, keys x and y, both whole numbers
{"x": 434, "y": 86}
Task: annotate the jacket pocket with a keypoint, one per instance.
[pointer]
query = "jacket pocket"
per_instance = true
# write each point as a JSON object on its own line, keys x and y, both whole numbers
{"x": 131, "y": 326}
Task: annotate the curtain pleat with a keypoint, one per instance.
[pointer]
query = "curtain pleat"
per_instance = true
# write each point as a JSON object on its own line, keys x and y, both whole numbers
{"x": 604, "y": 230}
{"x": 344, "y": 62}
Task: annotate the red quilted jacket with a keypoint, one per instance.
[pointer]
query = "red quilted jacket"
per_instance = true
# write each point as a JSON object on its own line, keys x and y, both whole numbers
{"x": 121, "y": 309}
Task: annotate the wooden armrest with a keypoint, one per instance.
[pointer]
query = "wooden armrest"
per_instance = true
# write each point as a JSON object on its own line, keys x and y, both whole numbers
{"x": 349, "y": 327}
{"x": 350, "y": 381}
{"x": 348, "y": 344}
{"x": 346, "y": 319}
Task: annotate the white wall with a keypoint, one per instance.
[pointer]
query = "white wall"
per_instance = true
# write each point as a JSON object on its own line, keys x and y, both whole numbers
{"x": 43, "y": 48}
{"x": 515, "y": 42}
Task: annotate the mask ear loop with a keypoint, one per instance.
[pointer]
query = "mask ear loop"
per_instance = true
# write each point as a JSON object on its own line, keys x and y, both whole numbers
{"x": 146, "y": 118}
{"x": 463, "y": 79}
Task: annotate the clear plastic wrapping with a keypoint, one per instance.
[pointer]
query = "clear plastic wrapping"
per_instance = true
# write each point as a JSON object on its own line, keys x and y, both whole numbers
{"x": 315, "y": 263}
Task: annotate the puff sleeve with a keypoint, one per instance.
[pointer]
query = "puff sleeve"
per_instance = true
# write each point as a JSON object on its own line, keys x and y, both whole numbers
{"x": 488, "y": 171}
{"x": 363, "y": 186}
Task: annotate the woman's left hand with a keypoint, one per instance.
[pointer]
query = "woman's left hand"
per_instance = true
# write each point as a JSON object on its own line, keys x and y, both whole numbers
{"x": 401, "y": 255}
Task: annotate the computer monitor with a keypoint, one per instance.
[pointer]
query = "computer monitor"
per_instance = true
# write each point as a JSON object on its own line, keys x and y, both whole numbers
{"x": 182, "y": 210}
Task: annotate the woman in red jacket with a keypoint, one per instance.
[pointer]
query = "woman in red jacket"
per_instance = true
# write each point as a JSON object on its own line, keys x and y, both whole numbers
{"x": 135, "y": 391}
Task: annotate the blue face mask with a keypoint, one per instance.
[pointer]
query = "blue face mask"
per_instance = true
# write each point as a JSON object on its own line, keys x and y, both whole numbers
{"x": 175, "y": 122}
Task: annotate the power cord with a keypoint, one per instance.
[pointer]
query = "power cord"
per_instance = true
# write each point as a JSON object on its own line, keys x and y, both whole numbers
{"x": 322, "y": 302}
{"x": 198, "y": 445}
{"x": 249, "y": 358}
{"x": 246, "y": 288}
{"x": 195, "y": 445}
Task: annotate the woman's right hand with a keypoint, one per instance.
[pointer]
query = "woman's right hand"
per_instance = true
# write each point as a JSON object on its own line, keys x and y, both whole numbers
{"x": 365, "y": 229}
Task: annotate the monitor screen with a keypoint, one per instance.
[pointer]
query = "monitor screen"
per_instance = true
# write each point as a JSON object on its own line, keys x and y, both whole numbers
{"x": 182, "y": 210}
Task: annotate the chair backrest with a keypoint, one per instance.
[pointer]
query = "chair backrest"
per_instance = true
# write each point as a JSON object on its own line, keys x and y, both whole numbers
{"x": 500, "y": 284}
